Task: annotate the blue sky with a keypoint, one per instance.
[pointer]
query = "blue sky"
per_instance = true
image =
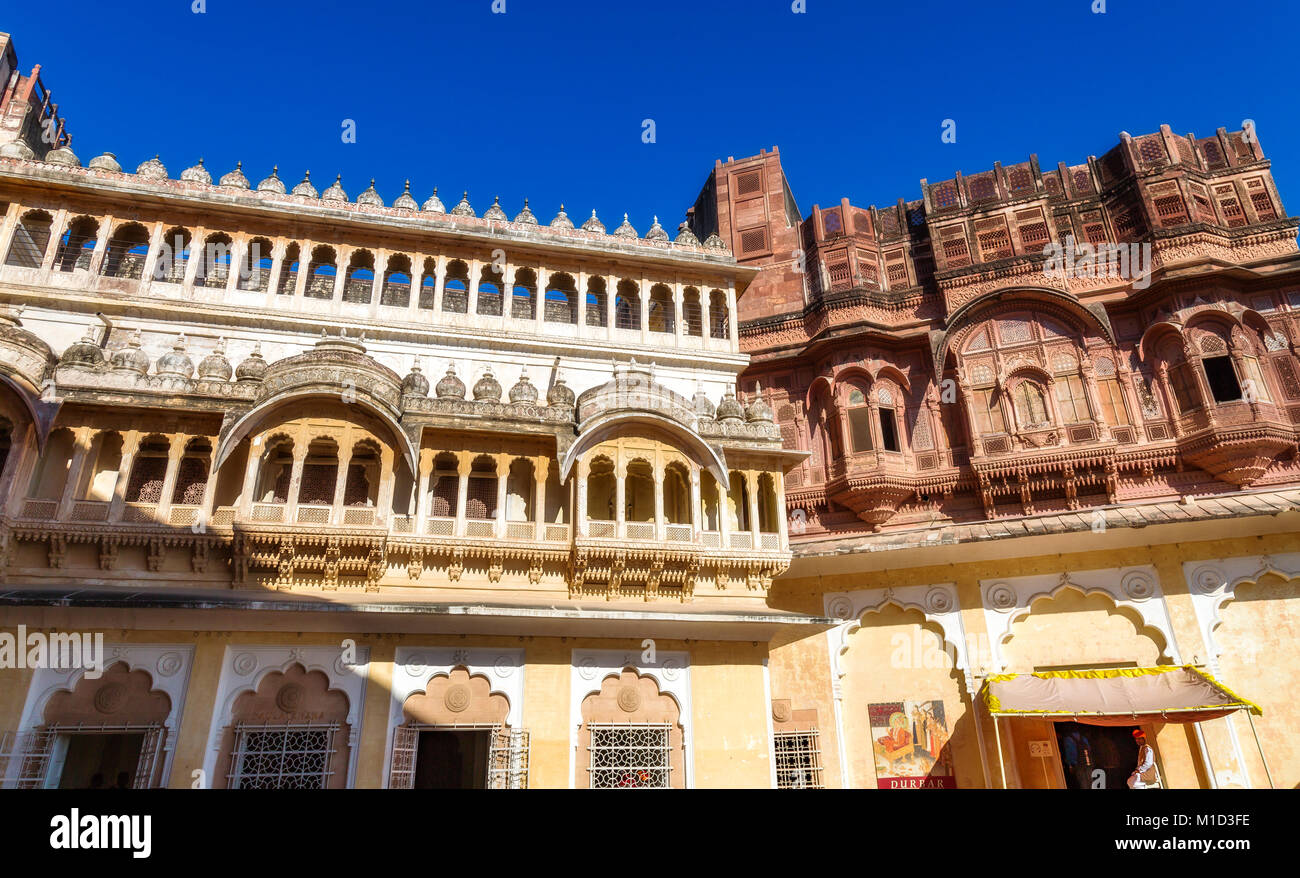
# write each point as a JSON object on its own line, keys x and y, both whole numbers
{"x": 548, "y": 99}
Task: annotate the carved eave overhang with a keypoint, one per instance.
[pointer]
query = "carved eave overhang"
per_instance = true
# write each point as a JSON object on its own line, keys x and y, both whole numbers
{"x": 862, "y": 311}
{"x": 463, "y": 415}
{"x": 25, "y": 364}
{"x": 450, "y": 229}
{"x": 1043, "y": 460}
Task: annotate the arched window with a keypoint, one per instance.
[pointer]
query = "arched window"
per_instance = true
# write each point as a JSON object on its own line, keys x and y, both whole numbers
{"x": 596, "y": 301}
{"x": 428, "y": 285}
{"x": 481, "y": 495}
{"x": 639, "y": 492}
{"x": 600, "y": 490}
{"x": 362, "y": 486}
{"x": 719, "y": 326}
{"x": 255, "y": 267}
{"x": 320, "y": 474}
{"x": 444, "y": 486}
{"x": 321, "y": 271}
{"x": 396, "y": 291}
{"x": 192, "y": 473}
{"x": 627, "y": 306}
{"x": 859, "y": 417}
{"x": 106, "y": 460}
{"x": 561, "y": 299}
{"x": 173, "y": 256}
{"x": 288, "y": 284}
{"x": 1114, "y": 410}
{"x": 455, "y": 290}
{"x": 489, "y": 291}
{"x": 521, "y": 484}
{"x": 692, "y": 313}
{"x": 128, "y": 247}
{"x": 77, "y": 244}
{"x": 148, "y": 471}
{"x": 524, "y": 294}
{"x": 887, "y": 400}
{"x": 1031, "y": 405}
{"x": 767, "y": 509}
{"x": 359, "y": 282}
{"x": 51, "y": 473}
{"x": 661, "y": 317}
{"x": 677, "y": 494}
{"x": 275, "y": 471}
{"x": 214, "y": 270}
{"x": 31, "y": 237}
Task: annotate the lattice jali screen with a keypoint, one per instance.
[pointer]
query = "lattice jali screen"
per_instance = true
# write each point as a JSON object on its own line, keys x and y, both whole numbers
{"x": 283, "y": 757}
{"x": 629, "y": 756}
{"x": 798, "y": 760}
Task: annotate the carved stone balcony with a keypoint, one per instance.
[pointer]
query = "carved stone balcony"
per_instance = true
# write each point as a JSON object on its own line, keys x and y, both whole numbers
{"x": 1236, "y": 441}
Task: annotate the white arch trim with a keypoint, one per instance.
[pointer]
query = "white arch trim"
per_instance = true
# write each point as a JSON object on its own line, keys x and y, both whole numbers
{"x": 938, "y": 603}
{"x": 415, "y": 666}
{"x": 256, "y": 416}
{"x": 1213, "y": 585}
{"x": 1007, "y": 601}
{"x": 670, "y": 670}
{"x": 244, "y": 667}
{"x": 168, "y": 666}
{"x": 610, "y": 424}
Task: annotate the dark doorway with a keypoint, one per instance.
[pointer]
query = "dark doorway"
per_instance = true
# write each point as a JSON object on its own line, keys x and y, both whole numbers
{"x": 100, "y": 761}
{"x": 452, "y": 759}
{"x": 1096, "y": 757}
{"x": 1222, "y": 378}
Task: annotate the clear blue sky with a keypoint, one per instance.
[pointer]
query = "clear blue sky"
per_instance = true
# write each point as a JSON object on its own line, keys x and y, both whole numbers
{"x": 547, "y": 100}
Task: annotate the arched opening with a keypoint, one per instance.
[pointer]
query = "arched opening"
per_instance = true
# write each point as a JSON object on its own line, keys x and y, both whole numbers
{"x": 639, "y": 493}
{"x": 709, "y": 500}
{"x": 481, "y": 491}
{"x": 105, "y": 460}
{"x": 661, "y": 317}
{"x": 557, "y": 500}
{"x": 768, "y": 512}
{"x": 596, "y": 299}
{"x": 627, "y": 306}
{"x": 454, "y": 736}
{"x": 275, "y": 472}
{"x": 601, "y": 492}
{"x": 214, "y": 269}
{"x": 230, "y": 481}
{"x": 1114, "y": 409}
{"x": 489, "y": 292}
{"x": 677, "y": 494}
{"x": 455, "y": 290}
{"x": 192, "y": 473}
{"x": 77, "y": 244}
{"x": 561, "y": 299}
{"x": 428, "y": 285}
{"x": 858, "y": 412}
{"x": 889, "y": 403}
{"x": 319, "y": 481}
{"x": 1030, "y": 405}
{"x": 288, "y": 284}
{"x": 692, "y": 312}
{"x": 631, "y": 736}
{"x": 362, "y": 486}
{"x": 148, "y": 470}
{"x": 520, "y": 490}
{"x": 31, "y": 237}
{"x": 444, "y": 492}
{"x": 738, "y": 503}
{"x": 359, "y": 281}
{"x": 523, "y": 295}
{"x": 396, "y": 291}
{"x": 719, "y": 325}
{"x": 290, "y": 733}
{"x": 321, "y": 272}
{"x": 173, "y": 256}
{"x": 128, "y": 247}
{"x": 51, "y": 474}
{"x": 6, "y": 441}
{"x": 255, "y": 267}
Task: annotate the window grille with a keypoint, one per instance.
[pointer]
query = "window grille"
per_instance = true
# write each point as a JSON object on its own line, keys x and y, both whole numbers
{"x": 507, "y": 757}
{"x": 798, "y": 760}
{"x": 34, "y": 759}
{"x": 629, "y": 756}
{"x": 283, "y": 757}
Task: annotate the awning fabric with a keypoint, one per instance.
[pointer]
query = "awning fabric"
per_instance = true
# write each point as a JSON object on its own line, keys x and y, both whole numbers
{"x": 1114, "y": 696}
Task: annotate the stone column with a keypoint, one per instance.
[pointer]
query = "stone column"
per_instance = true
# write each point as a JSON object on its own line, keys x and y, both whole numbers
{"x": 679, "y": 308}
{"x": 197, "y": 252}
{"x": 130, "y": 445}
{"x": 581, "y": 304}
{"x": 295, "y": 479}
{"x": 620, "y": 500}
{"x": 580, "y": 513}
{"x": 503, "y": 477}
{"x": 342, "y": 257}
{"x": 84, "y": 437}
{"x": 541, "y": 469}
{"x": 539, "y": 311}
{"x": 733, "y": 328}
{"x": 463, "y": 464}
{"x": 203, "y": 517}
{"x": 417, "y": 279}
{"x": 643, "y": 287}
{"x": 1092, "y": 397}
{"x": 101, "y": 244}
{"x": 422, "y": 504}
{"x": 724, "y": 512}
{"x": 304, "y": 263}
{"x": 175, "y": 451}
{"x": 387, "y": 483}
{"x": 377, "y": 283}
{"x": 238, "y": 250}
{"x": 475, "y": 278}
{"x": 439, "y": 281}
{"x": 341, "y": 485}
{"x": 697, "y": 511}
{"x": 751, "y": 482}
{"x": 9, "y": 226}
{"x": 56, "y": 233}
{"x": 611, "y": 296}
{"x": 246, "y": 498}
{"x": 659, "y": 504}
{"x": 782, "y": 517}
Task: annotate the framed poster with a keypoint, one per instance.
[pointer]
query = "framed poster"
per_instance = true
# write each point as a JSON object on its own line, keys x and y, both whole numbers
{"x": 910, "y": 743}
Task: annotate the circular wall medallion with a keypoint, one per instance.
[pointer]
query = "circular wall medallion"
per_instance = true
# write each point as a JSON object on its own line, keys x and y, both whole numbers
{"x": 840, "y": 608}
{"x": 110, "y": 697}
{"x": 1002, "y": 597}
{"x": 629, "y": 699}
{"x": 587, "y": 668}
{"x": 169, "y": 663}
{"x": 504, "y": 666}
{"x": 245, "y": 663}
{"x": 1208, "y": 579}
{"x": 781, "y": 712}
{"x": 1138, "y": 586}
{"x": 671, "y": 669}
{"x": 457, "y": 698}
{"x": 939, "y": 600}
{"x": 290, "y": 697}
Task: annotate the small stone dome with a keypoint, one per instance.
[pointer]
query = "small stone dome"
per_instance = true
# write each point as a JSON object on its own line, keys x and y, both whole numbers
{"x": 686, "y": 236}
{"x": 105, "y": 162}
{"x": 370, "y": 197}
{"x": 656, "y": 232}
{"x": 524, "y": 392}
{"x": 730, "y": 408}
{"x": 305, "y": 188}
{"x": 525, "y": 216}
{"x": 197, "y": 174}
{"x": 235, "y": 179}
{"x": 433, "y": 204}
{"x": 561, "y": 220}
{"x": 449, "y": 386}
{"x": 63, "y": 156}
{"x": 594, "y": 224}
{"x": 713, "y": 242}
{"x": 495, "y": 213}
{"x": 415, "y": 384}
{"x": 254, "y": 368}
{"x": 335, "y": 194}
{"x": 625, "y": 229}
{"x": 16, "y": 149}
{"x": 84, "y": 352}
{"x": 560, "y": 395}
{"x": 215, "y": 366}
{"x": 273, "y": 183}
{"x": 405, "y": 201}
{"x": 153, "y": 169}
{"x": 463, "y": 209}
{"x": 130, "y": 358}
{"x": 487, "y": 389}
{"x": 175, "y": 361}
{"x": 759, "y": 410}
{"x": 703, "y": 406}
